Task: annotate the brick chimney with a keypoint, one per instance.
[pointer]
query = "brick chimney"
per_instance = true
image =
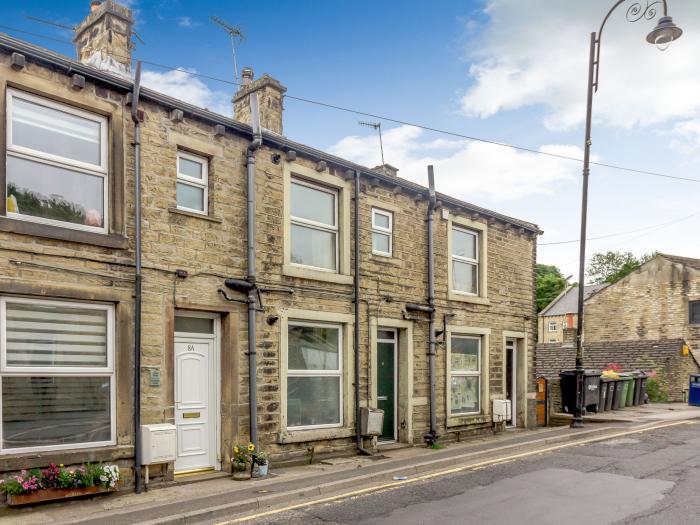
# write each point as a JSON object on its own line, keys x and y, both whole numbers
{"x": 270, "y": 92}
{"x": 387, "y": 169}
{"x": 569, "y": 338}
{"x": 103, "y": 38}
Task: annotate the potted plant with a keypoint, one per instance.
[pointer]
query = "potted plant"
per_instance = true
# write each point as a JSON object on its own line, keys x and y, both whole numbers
{"x": 58, "y": 482}
{"x": 241, "y": 461}
{"x": 262, "y": 460}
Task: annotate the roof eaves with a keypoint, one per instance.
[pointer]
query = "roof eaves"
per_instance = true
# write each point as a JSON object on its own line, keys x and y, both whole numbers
{"x": 72, "y": 66}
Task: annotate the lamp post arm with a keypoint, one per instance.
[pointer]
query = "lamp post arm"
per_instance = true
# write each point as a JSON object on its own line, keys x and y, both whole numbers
{"x": 637, "y": 11}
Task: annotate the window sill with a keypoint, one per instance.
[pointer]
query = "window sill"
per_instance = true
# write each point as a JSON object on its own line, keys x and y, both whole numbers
{"x": 209, "y": 218}
{"x": 474, "y": 419}
{"x": 315, "y": 275}
{"x": 28, "y": 460}
{"x": 474, "y": 299}
{"x": 64, "y": 234}
{"x": 301, "y": 436}
{"x": 386, "y": 259}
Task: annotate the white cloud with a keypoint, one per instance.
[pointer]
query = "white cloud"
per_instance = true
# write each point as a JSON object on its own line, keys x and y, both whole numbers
{"x": 186, "y": 21}
{"x": 180, "y": 85}
{"x": 535, "y": 53}
{"x": 465, "y": 169}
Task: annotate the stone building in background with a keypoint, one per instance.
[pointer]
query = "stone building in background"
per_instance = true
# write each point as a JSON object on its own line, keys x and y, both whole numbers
{"x": 67, "y": 230}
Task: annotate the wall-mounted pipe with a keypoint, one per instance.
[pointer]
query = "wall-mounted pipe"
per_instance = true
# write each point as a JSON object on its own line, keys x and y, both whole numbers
{"x": 356, "y": 338}
{"x": 255, "y": 143}
{"x": 432, "y": 435}
{"x": 138, "y": 277}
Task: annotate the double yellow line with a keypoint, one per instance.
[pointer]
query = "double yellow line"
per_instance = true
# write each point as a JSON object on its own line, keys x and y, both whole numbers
{"x": 471, "y": 466}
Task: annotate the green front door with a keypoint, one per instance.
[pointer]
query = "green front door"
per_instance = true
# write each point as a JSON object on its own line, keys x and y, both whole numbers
{"x": 386, "y": 381}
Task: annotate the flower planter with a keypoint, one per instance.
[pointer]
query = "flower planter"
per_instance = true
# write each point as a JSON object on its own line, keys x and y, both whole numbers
{"x": 54, "y": 494}
{"x": 262, "y": 469}
{"x": 241, "y": 475}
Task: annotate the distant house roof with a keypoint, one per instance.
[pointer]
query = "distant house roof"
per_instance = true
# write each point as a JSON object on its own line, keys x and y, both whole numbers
{"x": 567, "y": 302}
{"x": 686, "y": 261}
{"x": 552, "y": 358}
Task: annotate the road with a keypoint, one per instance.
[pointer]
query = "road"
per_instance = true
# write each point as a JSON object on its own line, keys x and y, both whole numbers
{"x": 642, "y": 479}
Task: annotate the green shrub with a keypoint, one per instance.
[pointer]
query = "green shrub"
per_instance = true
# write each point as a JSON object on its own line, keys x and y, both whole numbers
{"x": 656, "y": 392}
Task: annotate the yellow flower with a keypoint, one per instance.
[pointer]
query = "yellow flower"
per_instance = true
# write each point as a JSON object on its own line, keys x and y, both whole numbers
{"x": 251, "y": 447}
{"x": 236, "y": 450}
{"x": 61, "y": 465}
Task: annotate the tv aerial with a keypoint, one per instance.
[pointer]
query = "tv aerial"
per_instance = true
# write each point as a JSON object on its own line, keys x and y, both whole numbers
{"x": 377, "y": 126}
{"x": 236, "y": 35}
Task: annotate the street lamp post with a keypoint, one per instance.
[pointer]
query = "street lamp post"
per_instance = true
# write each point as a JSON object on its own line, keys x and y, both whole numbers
{"x": 662, "y": 35}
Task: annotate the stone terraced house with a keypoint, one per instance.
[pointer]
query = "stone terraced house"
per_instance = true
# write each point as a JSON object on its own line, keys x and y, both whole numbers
{"x": 69, "y": 329}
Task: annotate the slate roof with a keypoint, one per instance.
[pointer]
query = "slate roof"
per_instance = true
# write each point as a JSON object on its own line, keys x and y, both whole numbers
{"x": 551, "y": 358}
{"x": 567, "y": 302}
{"x": 686, "y": 261}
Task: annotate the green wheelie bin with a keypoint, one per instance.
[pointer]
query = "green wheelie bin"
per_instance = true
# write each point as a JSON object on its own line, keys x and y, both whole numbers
{"x": 631, "y": 389}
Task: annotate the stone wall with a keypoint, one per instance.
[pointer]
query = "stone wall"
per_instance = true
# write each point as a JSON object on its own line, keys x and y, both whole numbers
{"x": 53, "y": 262}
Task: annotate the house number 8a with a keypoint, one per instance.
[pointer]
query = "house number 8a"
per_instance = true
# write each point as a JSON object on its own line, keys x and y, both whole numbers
{"x": 190, "y": 348}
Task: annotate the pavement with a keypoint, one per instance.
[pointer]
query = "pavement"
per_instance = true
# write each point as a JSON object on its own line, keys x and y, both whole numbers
{"x": 221, "y": 498}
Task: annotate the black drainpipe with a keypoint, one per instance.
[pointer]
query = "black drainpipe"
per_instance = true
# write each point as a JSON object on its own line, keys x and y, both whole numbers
{"x": 252, "y": 293}
{"x": 356, "y": 338}
{"x": 137, "y": 286}
{"x": 431, "y": 436}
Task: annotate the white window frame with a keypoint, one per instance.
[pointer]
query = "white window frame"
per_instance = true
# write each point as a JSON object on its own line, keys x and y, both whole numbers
{"x": 202, "y": 183}
{"x": 467, "y": 260}
{"x": 389, "y": 232}
{"x": 58, "y": 161}
{"x": 314, "y": 225}
{"x": 467, "y": 373}
{"x": 552, "y": 326}
{"x": 319, "y": 373}
{"x": 60, "y": 371}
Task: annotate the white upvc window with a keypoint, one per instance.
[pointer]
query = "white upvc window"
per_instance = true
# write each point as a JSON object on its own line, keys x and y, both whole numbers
{"x": 314, "y": 226}
{"x": 465, "y": 261}
{"x": 57, "y": 164}
{"x": 465, "y": 375}
{"x": 57, "y": 386}
{"x": 314, "y": 375}
{"x": 192, "y": 183}
{"x": 382, "y": 232}
{"x": 552, "y": 326}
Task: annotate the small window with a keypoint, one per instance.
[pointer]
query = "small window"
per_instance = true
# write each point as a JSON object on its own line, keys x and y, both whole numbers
{"x": 465, "y": 261}
{"x": 552, "y": 326}
{"x": 382, "y": 232}
{"x": 694, "y": 312}
{"x": 192, "y": 183}
{"x": 314, "y": 375}
{"x": 56, "y": 163}
{"x": 57, "y": 375}
{"x": 314, "y": 226}
{"x": 465, "y": 375}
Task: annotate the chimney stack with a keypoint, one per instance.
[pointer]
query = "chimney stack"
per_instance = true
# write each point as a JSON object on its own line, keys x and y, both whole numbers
{"x": 387, "y": 169}
{"x": 270, "y": 92}
{"x": 103, "y": 38}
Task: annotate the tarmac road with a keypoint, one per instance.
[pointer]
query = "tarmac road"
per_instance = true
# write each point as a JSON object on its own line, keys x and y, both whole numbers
{"x": 646, "y": 478}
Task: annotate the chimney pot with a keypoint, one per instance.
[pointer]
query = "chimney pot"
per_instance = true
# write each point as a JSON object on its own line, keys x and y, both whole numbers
{"x": 94, "y": 5}
{"x": 247, "y": 75}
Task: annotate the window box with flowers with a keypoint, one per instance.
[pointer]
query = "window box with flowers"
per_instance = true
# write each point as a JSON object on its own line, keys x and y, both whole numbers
{"x": 59, "y": 482}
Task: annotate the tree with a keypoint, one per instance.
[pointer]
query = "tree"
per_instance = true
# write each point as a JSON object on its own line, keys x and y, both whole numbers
{"x": 611, "y": 266}
{"x": 549, "y": 284}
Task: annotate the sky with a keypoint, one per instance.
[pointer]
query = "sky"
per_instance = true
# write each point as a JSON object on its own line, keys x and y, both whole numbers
{"x": 507, "y": 71}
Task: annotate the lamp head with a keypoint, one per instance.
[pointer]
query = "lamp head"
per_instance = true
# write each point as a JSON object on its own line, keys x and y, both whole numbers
{"x": 665, "y": 32}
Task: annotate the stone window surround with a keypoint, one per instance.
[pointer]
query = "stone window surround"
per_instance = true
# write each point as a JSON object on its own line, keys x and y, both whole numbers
{"x": 484, "y": 394}
{"x": 203, "y": 184}
{"x": 396, "y": 210}
{"x": 58, "y": 92}
{"x": 482, "y": 230}
{"x": 343, "y": 275}
{"x": 108, "y": 370}
{"x": 179, "y": 142}
{"x": 123, "y": 370}
{"x": 346, "y": 428}
{"x": 383, "y": 231}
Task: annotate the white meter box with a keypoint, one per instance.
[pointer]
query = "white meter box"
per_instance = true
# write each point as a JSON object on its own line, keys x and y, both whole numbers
{"x": 501, "y": 410}
{"x": 158, "y": 443}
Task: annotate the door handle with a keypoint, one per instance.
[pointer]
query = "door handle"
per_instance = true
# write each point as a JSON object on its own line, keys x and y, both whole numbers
{"x": 382, "y": 398}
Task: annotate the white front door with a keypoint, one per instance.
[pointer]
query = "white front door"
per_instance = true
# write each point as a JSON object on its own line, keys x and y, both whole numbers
{"x": 511, "y": 379}
{"x": 195, "y": 403}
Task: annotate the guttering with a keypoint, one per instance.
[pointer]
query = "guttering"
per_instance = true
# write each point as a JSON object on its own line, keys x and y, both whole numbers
{"x": 138, "y": 277}
{"x": 432, "y": 435}
{"x": 56, "y": 60}
{"x": 255, "y": 143}
{"x": 356, "y": 299}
